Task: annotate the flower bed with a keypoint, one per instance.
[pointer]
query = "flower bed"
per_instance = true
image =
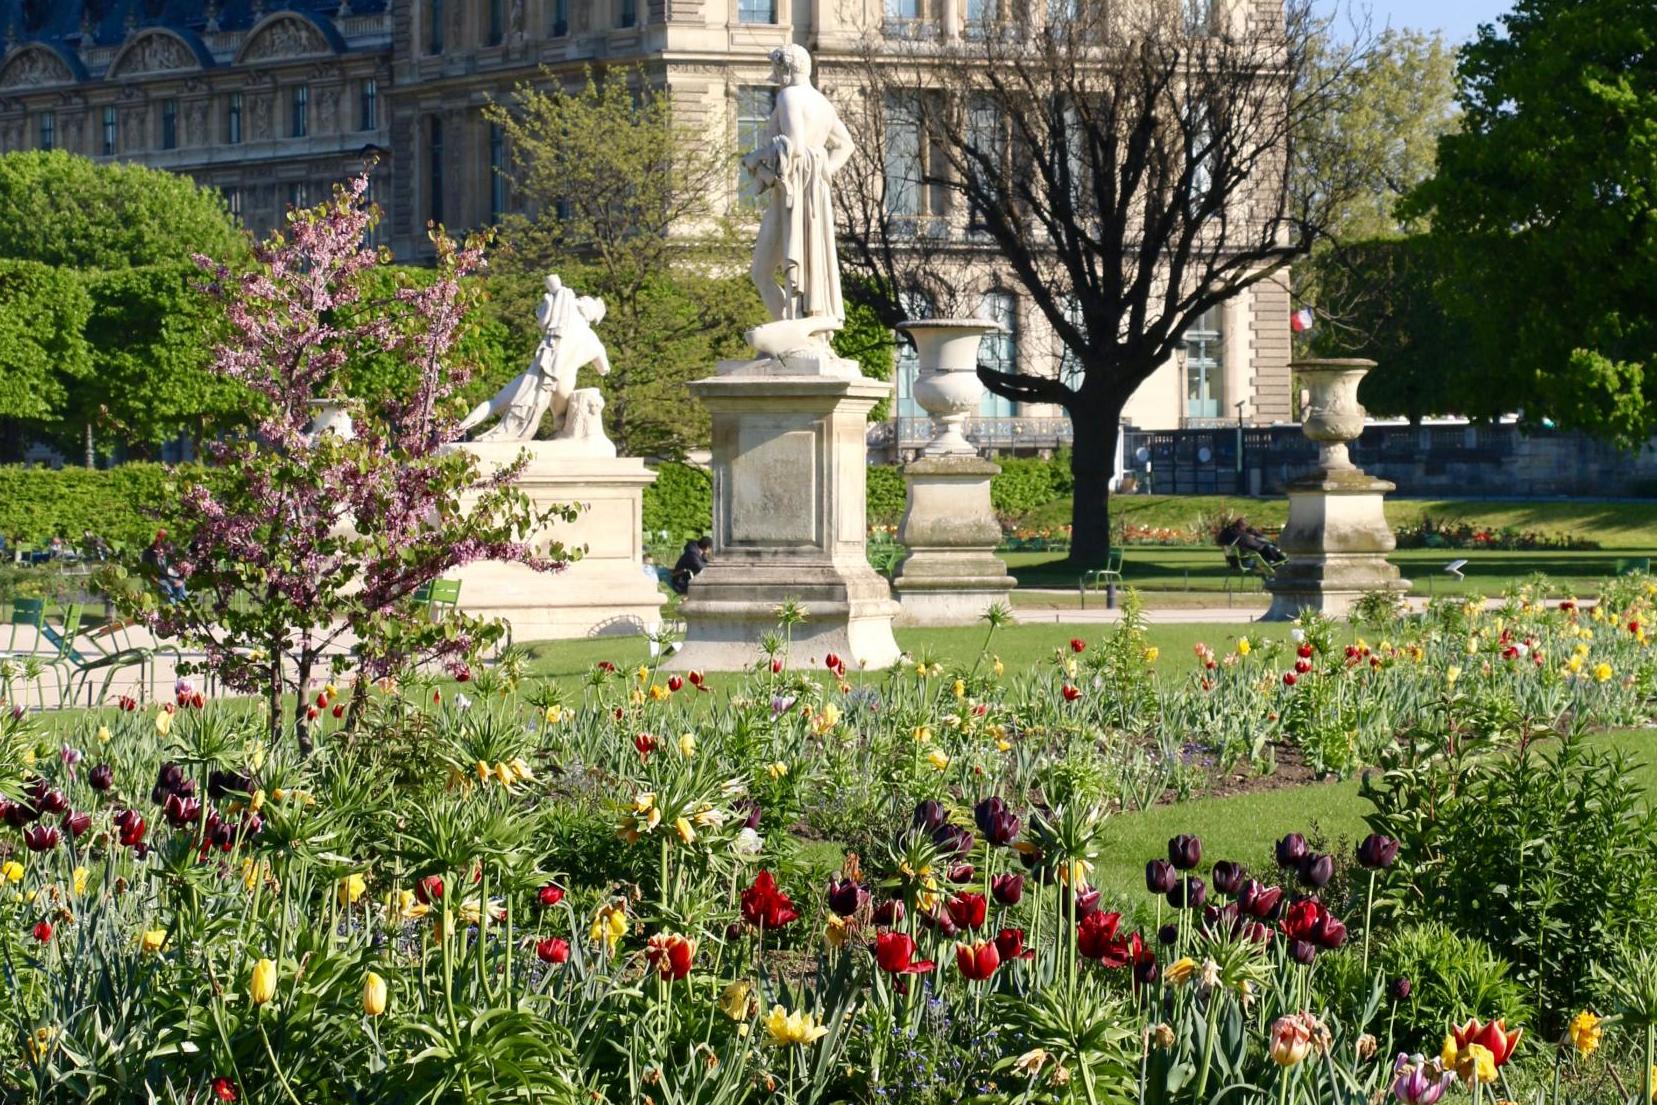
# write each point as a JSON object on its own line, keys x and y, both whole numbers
{"x": 616, "y": 890}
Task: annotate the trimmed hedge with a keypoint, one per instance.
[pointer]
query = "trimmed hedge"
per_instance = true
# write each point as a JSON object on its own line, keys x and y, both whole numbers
{"x": 124, "y": 505}
{"x": 680, "y": 502}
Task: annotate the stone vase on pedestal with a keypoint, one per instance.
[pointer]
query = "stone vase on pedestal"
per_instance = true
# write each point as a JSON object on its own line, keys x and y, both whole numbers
{"x": 1337, "y": 537}
{"x": 606, "y": 592}
{"x": 789, "y": 524}
{"x": 951, "y": 574}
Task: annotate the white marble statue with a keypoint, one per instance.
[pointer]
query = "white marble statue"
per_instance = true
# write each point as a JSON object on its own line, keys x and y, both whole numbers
{"x": 796, "y": 267}
{"x": 568, "y": 342}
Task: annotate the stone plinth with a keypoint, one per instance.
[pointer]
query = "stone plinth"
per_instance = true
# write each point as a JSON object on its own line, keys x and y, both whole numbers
{"x": 951, "y": 574}
{"x": 789, "y": 486}
{"x": 1337, "y": 537}
{"x": 604, "y": 593}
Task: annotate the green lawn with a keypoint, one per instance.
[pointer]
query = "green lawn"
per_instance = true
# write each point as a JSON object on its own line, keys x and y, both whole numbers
{"x": 1203, "y": 569}
{"x": 1615, "y": 524}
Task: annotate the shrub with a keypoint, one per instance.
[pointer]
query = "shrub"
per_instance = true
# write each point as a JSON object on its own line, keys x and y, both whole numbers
{"x": 680, "y": 502}
{"x": 1452, "y": 977}
{"x": 1027, "y": 483}
{"x": 887, "y": 495}
{"x": 123, "y": 505}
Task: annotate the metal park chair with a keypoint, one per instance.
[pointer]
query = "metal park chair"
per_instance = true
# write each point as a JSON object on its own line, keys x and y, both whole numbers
{"x": 1245, "y": 564}
{"x": 1110, "y": 575}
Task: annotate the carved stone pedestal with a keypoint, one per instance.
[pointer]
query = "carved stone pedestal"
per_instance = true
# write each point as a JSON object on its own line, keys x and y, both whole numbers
{"x": 604, "y": 593}
{"x": 951, "y": 574}
{"x": 789, "y": 480}
{"x": 1337, "y": 537}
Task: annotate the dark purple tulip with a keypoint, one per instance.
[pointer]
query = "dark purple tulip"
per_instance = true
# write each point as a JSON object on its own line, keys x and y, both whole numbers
{"x": 221, "y": 783}
{"x": 1001, "y": 829}
{"x": 1316, "y": 871}
{"x": 940, "y": 922}
{"x": 1260, "y": 901}
{"x": 1228, "y": 877}
{"x": 751, "y": 810}
{"x": 889, "y": 913}
{"x": 1145, "y": 971}
{"x": 1291, "y": 850}
{"x": 985, "y": 811}
{"x": 1185, "y": 852}
{"x": 960, "y": 873}
{"x": 19, "y": 814}
{"x": 734, "y": 931}
{"x": 1400, "y": 989}
{"x": 1302, "y": 952}
{"x": 169, "y": 778}
{"x": 1160, "y": 876}
{"x": 53, "y": 801}
{"x": 41, "y": 838}
{"x": 1377, "y": 851}
{"x": 930, "y": 815}
{"x": 1086, "y": 901}
{"x": 251, "y": 826}
{"x": 181, "y": 811}
{"x": 846, "y": 898}
{"x": 1189, "y": 894}
{"x": 1331, "y": 932}
{"x": 954, "y": 839}
{"x": 1167, "y": 934}
{"x": 1007, "y": 889}
{"x": 101, "y": 777}
{"x": 76, "y": 822}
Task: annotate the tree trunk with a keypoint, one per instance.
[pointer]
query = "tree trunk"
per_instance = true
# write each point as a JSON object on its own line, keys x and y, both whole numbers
{"x": 301, "y": 722}
{"x": 1096, "y": 425}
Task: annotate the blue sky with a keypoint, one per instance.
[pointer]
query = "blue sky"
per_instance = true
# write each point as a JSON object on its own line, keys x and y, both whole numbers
{"x": 1458, "y": 19}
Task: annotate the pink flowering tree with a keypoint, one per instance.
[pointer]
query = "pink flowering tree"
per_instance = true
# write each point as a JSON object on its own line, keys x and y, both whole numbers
{"x": 307, "y": 548}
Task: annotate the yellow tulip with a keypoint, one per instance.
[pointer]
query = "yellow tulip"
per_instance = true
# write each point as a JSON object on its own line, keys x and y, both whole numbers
{"x": 12, "y": 870}
{"x": 790, "y": 1029}
{"x": 1451, "y": 674}
{"x": 1475, "y": 1063}
{"x": 261, "y": 987}
{"x": 733, "y": 1000}
{"x": 373, "y": 994}
{"x": 103, "y": 734}
{"x": 1243, "y": 646}
{"x": 78, "y": 879}
{"x": 152, "y": 940}
{"x": 257, "y": 802}
{"x": 163, "y": 723}
{"x": 959, "y": 689}
{"x": 609, "y": 925}
{"x": 836, "y": 931}
{"x": 350, "y": 889}
{"x": 687, "y": 745}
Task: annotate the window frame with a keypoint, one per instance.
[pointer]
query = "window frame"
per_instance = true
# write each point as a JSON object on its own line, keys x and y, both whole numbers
{"x": 299, "y": 111}
{"x": 110, "y": 131}
{"x": 169, "y": 123}
{"x": 233, "y": 122}
{"x": 368, "y": 104}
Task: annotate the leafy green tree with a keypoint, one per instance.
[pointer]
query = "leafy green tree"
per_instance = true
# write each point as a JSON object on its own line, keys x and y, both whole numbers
{"x": 43, "y": 349}
{"x": 1544, "y": 211}
{"x": 625, "y": 203}
{"x": 61, "y": 209}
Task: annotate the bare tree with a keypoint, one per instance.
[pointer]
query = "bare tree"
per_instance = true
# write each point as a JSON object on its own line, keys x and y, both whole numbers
{"x": 1129, "y": 163}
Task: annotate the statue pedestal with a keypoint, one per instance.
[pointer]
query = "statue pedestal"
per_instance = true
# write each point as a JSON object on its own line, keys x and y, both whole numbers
{"x": 951, "y": 574}
{"x": 789, "y": 479}
{"x": 1337, "y": 537}
{"x": 606, "y": 592}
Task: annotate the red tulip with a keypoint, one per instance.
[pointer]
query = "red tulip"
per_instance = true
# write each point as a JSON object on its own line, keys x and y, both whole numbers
{"x": 695, "y": 678}
{"x": 977, "y": 962}
{"x": 1304, "y": 651}
{"x": 1010, "y": 944}
{"x": 776, "y": 666}
{"x": 1077, "y": 644}
{"x": 671, "y": 955}
{"x": 675, "y": 684}
{"x": 1289, "y": 679}
{"x": 429, "y": 889}
{"x": 552, "y": 950}
{"x": 765, "y": 906}
{"x": 224, "y": 1089}
{"x": 339, "y": 709}
{"x": 967, "y": 910}
{"x": 43, "y": 932}
{"x": 895, "y": 954}
{"x": 550, "y": 894}
{"x": 1493, "y": 1036}
{"x": 646, "y": 744}
{"x": 1097, "y": 938}
{"x": 1071, "y": 693}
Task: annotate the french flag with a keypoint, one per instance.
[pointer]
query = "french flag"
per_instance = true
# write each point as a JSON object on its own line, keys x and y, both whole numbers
{"x": 1301, "y": 320}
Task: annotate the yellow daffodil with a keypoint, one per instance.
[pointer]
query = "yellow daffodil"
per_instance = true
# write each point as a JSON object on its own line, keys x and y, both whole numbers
{"x": 1584, "y": 1032}
{"x": 658, "y": 692}
{"x": 836, "y": 931}
{"x": 777, "y": 769}
{"x": 1243, "y": 646}
{"x": 798, "y": 1028}
{"x": 939, "y": 759}
{"x": 13, "y": 871}
{"x": 687, "y": 745}
{"x": 261, "y": 986}
{"x": 1151, "y": 654}
{"x": 609, "y": 925}
{"x": 351, "y": 889}
{"x": 959, "y": 690}
{"x": 643, "y": 674}
{"x": 152, "y": 940}
{"x": 733, "y": 1000}
{"x": 1574, "y": 664}
{"x": 1602, "y": 672}
{"x": 373, "y": 994}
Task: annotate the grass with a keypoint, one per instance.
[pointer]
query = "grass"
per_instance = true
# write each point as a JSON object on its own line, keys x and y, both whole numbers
{"x": 1202, "y": 569}
{"x": 1629, "y": 524}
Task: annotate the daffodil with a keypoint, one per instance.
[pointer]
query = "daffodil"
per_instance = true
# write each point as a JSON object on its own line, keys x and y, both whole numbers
{"x": 1151, "y": 654}
{"x": 1584, "y": 1032}
{"x": 1602, "y": 672}
{"x": 787, "y": 1029}
{"x": 13, "y": 871}
{"x": 777, "y": 769}
{"x": 959, "y": 690}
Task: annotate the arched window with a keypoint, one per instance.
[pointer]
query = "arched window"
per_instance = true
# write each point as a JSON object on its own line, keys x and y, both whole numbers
{"x": 999, "y": 351}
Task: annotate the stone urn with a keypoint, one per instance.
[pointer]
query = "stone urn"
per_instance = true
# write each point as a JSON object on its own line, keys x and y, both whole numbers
{"x": 330, "y": 416}
{"x": 947, "y": 384}
{"x": 1333, "y": 416}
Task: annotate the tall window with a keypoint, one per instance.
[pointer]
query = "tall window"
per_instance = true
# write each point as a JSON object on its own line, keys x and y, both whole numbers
{"x": 48, "y": 130}
{"x": 917, "y": 306}
{"x": 560, "y": 10}
{"x": 982, "y": 16}
{"x": 998, "y": 352}
{"x": 298, "y": 194}
{"x": 169, "y": 124}
{"x": 434, "y": 26}
{"x": 905, "y": 10}
{"x": 497, "y": 23}
{"x": 233, "y": 120}
{"x": 434, "y": 152}
{"x": 757, "y": 11}
{"x": 903, "y": 169}
{"x": 628, "y": 14}
{"x": 368, "y": 105}
{"x": 110, "y": 124}
{"x": 233, "y": 202}
{"x": 753, "y": 111}
{"x": 987, "y": 145}
{"x": 301, "y": 114}
{"x": 1202, "y": 366}
{"x": 497, "y": 172}
{"x": 1198, "y": 16}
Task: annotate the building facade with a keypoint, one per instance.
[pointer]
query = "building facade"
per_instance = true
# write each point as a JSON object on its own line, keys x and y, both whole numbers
{"x": 272, "y": 102}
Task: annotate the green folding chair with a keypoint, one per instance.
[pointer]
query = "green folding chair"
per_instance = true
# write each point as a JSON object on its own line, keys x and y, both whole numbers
{"x": 111, "y": 650}
{"x": 1095, "y": 578}
{"x": 30, "y": 614}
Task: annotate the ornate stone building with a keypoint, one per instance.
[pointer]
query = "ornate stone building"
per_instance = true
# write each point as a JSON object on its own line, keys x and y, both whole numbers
{"x": 271, "y": 101}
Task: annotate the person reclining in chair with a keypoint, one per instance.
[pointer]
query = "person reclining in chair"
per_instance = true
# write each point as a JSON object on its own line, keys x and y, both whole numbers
{"x": 1239, "y": 533}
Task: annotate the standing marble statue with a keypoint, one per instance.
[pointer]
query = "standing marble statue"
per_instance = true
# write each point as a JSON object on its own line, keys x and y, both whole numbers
{"x": 795, "y": 264}
{"x": 568, "y": 342}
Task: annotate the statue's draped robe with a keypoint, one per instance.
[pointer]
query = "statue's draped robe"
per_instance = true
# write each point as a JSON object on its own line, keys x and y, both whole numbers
{"x": 802, "y": 213}
{"x": 525, "y": 399}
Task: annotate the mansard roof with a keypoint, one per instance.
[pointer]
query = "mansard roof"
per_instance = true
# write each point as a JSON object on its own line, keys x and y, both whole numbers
{"x": 83, "y": 24}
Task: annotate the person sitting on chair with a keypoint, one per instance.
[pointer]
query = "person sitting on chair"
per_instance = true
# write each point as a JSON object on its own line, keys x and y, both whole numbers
{"x": 691, "y": 563}
{"x": 1239, "y": 533}
{"x": 158, "y": 558}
